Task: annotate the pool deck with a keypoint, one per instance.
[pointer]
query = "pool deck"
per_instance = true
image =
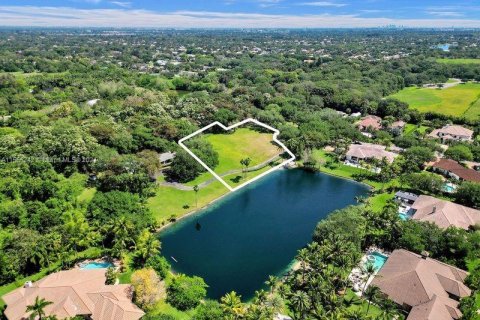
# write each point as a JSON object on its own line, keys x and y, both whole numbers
{"x": 357, "y": 276}
{"x": 117, "y": 264}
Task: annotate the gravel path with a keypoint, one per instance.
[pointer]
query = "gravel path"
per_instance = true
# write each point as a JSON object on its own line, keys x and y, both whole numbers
{"x": 181, "y": 186}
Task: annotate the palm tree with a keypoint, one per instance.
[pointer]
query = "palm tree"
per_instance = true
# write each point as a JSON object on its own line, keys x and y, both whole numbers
{"x": 389, "y": 310}
{"x": 368, "y": 270}
{"x": 301, "y": 303}
{"x": 196, "y": 189}
{"x": 37, "y": 309}
{"x": 232, "y": 304}
{"x": 272, "y": 283}
{"x": 246, "y": 163}
{"x": 302, "y": 256}
{"x": 371, "y": 294}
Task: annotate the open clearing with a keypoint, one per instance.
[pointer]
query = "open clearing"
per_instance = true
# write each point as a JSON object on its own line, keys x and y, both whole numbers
{"x": 461, "y": 100}
{"x": 459, "y": 61}
{"x": 251, "y": 154}
{"x": 243, "y": 143}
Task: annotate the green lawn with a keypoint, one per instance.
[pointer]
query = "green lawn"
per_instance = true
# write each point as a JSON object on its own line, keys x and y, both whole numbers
{"x": 241, "y": 144}
{"x": 461, "y": 100}
{"x": 163, "y": 307}
{"x": 411, "y": 129}
{"x": 459, "y": 61}
{"x": 378, "y": 201}
{"x": 169, "y": 201}
{"x": 373, "y": 310}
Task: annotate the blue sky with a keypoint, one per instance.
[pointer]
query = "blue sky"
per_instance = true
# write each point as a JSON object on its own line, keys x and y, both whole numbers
{"x": 240, "y": 13}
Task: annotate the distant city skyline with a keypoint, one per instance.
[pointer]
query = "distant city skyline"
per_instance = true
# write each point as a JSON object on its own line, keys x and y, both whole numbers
{"x": 240, "y": 13}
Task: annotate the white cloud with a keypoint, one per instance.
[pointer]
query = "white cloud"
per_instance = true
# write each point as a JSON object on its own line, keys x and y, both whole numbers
{"x": 74, "y": 17}
{"x": 123, "y": 4}
{"x": 445, "y": 13}
{"x": 323, "y": 4}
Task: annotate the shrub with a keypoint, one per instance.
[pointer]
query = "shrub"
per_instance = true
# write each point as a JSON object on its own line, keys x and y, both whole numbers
{"x": 186, "y": 292}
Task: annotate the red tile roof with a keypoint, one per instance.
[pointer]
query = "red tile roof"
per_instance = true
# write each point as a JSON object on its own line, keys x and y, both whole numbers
{"x": 456, "y": 168}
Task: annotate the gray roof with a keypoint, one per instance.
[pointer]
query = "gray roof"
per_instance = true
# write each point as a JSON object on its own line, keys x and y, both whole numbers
{"x": 406, "y": 195}
{"x": 166, "y": 156}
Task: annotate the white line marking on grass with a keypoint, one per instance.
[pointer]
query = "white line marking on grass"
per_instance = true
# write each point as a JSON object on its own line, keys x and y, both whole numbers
{"x": 216, "y": 123}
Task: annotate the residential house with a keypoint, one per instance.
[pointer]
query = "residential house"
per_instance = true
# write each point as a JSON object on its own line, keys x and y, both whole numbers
{"x": 452, "y": 169}
{"x": 166, "y": 158}
{"x": 425, "y": 288}
{"x": 368, "y": 151}
{"x": 369, "y": 123}
{"x": 452, "y": 133}
{"x": 74, "y": 293}
{"x": 397, "y": 127}
{"x": 444, "y": 213}
{"x": 407, "y": 198}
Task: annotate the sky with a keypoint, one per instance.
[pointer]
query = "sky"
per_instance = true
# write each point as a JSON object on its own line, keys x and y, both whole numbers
{"x": 240, "y": 13}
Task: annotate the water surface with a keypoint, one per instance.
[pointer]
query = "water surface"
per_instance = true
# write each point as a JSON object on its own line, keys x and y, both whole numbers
{"x": 256, "y": 231}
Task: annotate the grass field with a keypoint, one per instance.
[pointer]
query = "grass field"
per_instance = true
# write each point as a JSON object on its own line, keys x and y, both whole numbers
{"x": 241, "y": 144}
{"x": 169, "y": 201}
{"x": 461, "y": 100}
{"x": 459, "y": 61}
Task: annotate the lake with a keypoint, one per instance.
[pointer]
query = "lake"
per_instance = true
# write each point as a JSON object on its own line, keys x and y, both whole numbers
{"x": 255, "y": 232}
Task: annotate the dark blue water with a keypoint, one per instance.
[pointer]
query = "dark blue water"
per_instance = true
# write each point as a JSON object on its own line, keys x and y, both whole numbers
{"x": 256, "y": 231}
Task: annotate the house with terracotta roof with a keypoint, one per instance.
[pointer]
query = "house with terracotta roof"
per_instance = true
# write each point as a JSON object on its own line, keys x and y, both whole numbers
{"x": 452, "y": 169}
{"x": 452, "y": 133}
{"x": 73, "y": 293}
{"x": 425, "y": 288}
{"x": 369, "y": 123}
{"x": 367, "y": 151}
{"x": 444, "y": 213}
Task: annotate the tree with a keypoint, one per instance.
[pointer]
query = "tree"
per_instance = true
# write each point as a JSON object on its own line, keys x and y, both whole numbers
{"x": 147, "y": 287}
{"x": 159, "y": 264}
{"x": 245, "y": 164}
{"x": 186, "y": 292}
{"x": 459, "y": 153}
{"x": 415, "y": 157}
{"x": 209, "y": 310}
{"x": 232, "y": 305}
{"x": 111, "y": 275}
{"x": 371, "y": 294}
{"x": 184, "y": 168}
{"x": 196, "y": 189}
{"x": 368, "y": 270}
{"x": 424, "y": 181}
{"x": 300, "y": 303}
{"x": 468, "y": 194}
{"x": 272, "y": 283}
{"x": 147, "y": 245}
{"x": 37, "y": 309}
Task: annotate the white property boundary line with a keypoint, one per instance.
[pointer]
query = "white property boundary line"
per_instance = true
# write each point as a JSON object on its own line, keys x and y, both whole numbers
{"x": 249, "y": 120}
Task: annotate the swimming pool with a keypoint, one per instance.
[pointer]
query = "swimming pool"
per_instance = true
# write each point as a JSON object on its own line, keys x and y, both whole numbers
{"x": 96, "y": 265}
{"x": 449, "y": 187}
{"x": 403, "y": 216}
{"x": 377, "y": 259}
